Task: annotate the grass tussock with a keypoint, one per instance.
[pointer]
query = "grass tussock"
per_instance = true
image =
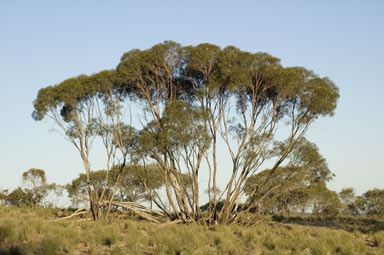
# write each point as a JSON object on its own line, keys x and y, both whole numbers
{"x": 25, "y": 231}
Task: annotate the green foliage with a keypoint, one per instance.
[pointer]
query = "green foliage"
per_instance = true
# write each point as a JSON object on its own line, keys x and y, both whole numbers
{"x": 19, "y": 197}
{"x": 35, "y": 191}
{"x": 297, "y": 186}
{"x": 180, "y": 127}
{"x": 136, "y": 183}
{"x": 326, "y": 201}
{"x": 68, "y": 96}
{"x": 348, "y": 201}
{"x": 372, "y": 202}
{"x": 231, "y": 68}
{"x": 36, "y": 187}
{"x": 77, "y": 189}
{"x": 34, "y": 177}
{"x": 306, "y": 155}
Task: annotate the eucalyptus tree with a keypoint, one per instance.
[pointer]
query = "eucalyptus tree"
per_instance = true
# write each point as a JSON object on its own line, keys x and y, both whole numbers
{"x": 193, "y": 99}
{"x": 325, "y": 202}
{"x": 71, "y": 104}
{"x": 348, "y": 201}
{"x": 35, "y": 191}
{"x": 18, "y": 197}
{"x": 291, "y": 187}
{"x": 36, "y": 187}
{"x": 372, "y": 202}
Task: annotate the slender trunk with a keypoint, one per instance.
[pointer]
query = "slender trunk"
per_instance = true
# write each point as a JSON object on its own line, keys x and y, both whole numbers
{"x": 115, "y": 186}
{"x": 94, "y": 208}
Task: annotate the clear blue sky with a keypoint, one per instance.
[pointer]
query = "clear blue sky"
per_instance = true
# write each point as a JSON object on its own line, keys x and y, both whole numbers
{"x": 44, "y": 42}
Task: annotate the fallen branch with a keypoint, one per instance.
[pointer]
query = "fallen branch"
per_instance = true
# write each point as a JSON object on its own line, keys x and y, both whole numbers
{"x": 171, "y": 222}
{"x": 141, "y": 210}
{"x": 77, "y": 212}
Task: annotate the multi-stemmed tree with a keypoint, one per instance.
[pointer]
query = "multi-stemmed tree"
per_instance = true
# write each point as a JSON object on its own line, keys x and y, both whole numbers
{"x": 189, "y": 101}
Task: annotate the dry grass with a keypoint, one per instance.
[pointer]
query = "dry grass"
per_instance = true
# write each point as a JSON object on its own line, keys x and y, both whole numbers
{"x": 26, "y": 231}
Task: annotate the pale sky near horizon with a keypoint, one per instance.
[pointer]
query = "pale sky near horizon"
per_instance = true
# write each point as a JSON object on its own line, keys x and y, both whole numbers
{"x": 45, "y": 42}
